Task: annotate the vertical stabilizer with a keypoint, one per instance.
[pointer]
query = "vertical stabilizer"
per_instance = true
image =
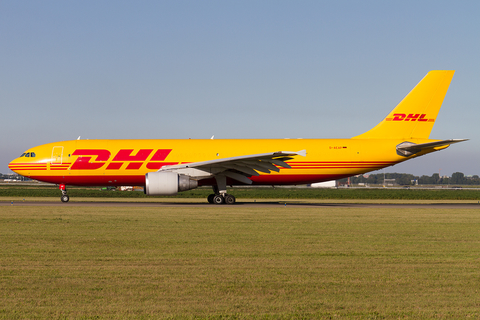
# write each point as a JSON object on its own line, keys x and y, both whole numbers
{"x": 414, "y": 116}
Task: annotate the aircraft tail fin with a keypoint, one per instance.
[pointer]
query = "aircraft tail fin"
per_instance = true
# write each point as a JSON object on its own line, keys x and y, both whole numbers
{"x": 414, "y": 116}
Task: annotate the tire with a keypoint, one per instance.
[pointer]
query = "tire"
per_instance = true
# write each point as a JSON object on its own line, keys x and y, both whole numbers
{"x": 229, "y": 199}
{"x": 64, "y": 198}
{"x": 218, "y": 199}
{"x": 210, "y": 198}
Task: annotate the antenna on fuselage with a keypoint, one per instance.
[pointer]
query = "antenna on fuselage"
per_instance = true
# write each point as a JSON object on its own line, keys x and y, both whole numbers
{"x": 78, "y": 138}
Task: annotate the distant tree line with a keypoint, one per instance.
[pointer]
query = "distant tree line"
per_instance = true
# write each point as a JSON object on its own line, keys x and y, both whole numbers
{"x": 405, "y": 179}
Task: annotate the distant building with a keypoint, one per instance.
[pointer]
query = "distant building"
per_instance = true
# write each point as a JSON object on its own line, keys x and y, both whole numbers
{"x": 326, "y": 184}
{"x": 390, "y": 182}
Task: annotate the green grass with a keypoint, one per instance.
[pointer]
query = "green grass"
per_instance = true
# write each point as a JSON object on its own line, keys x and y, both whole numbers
{"x": 236, "y": 262}
{"x": 257, "y": 193}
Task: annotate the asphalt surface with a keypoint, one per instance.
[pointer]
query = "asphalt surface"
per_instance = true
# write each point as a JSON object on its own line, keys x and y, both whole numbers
{"x": 241, "y": 204}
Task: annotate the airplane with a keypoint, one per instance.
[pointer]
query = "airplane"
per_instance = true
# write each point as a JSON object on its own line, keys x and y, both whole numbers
{"x": 166, "y": 167}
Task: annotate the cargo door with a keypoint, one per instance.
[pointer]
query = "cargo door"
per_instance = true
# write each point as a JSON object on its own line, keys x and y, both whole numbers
{"x": 57, "y": 156}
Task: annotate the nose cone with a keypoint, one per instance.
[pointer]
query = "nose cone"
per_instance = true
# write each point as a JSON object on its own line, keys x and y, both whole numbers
{"x": 19, "y": 166}
{"x": 15, "y": 165}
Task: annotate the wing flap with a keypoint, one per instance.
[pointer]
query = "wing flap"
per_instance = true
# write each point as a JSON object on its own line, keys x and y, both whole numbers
{"x": 238, "y": 177}
{"x": 239, "y": 167}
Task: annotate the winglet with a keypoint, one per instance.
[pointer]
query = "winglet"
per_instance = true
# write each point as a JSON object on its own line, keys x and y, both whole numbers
{"x": 302, "y": 153}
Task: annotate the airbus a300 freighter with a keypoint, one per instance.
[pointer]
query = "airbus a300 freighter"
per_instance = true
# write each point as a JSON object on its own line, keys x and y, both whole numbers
{"x": 166, "y": 167}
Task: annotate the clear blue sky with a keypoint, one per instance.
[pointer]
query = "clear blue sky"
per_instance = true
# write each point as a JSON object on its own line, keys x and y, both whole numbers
{"x": 233, "y": 69}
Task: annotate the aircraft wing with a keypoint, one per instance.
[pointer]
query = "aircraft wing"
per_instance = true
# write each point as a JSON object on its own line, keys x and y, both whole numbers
{"x": 238, "y": 168}
{"x": 408, "y": 148}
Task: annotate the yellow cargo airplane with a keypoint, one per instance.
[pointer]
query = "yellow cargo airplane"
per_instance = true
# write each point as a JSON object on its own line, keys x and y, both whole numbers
{"x": 165, "y": 167}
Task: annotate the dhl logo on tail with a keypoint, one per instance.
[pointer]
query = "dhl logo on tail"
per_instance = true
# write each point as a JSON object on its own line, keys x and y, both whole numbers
{"x": 409, "y": 117}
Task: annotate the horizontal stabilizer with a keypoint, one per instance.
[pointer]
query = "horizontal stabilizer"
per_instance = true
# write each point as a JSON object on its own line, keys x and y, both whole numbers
{"x": 409, "y": 148}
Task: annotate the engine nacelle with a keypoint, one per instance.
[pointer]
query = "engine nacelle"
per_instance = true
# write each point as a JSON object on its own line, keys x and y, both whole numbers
{"x": 167, "y": 183}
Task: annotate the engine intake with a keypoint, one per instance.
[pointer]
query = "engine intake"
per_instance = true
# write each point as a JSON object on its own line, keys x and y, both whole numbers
{"x": 167, "y": 183}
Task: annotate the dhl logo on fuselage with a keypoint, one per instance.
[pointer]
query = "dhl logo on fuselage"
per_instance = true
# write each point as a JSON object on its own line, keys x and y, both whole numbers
{"x": 101, "y": 156}
{"x": 409, "y": 117}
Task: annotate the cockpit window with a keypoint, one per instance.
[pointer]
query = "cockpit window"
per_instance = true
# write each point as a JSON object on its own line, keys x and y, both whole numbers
{"x": 28, "y": 154}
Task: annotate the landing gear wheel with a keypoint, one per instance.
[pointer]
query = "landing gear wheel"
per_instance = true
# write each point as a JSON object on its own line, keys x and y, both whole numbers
{"x": 229, "y": 199}
{"x": 64, "y": 196}
{"x": 210, "y": 198}
{"x": 218, "y": 199}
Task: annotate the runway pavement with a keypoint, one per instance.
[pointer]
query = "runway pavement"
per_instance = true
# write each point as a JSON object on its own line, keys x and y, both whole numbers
{"x": 268, "y": 204}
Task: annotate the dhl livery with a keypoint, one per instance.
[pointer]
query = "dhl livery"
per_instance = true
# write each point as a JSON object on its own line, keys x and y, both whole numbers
{"x": 166, "y": 167}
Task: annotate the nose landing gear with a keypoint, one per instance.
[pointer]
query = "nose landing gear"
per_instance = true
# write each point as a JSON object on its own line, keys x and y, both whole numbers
{"x": 64, "y": 197}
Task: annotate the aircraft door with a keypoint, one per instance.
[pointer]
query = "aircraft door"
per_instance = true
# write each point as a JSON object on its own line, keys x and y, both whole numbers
{"x": 57, "y": 156}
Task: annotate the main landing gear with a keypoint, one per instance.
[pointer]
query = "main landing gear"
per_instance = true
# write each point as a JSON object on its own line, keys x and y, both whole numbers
{"x": 220, "y": 195}
{"x": 221, "y": 199}
{"x": 64, "y": 196}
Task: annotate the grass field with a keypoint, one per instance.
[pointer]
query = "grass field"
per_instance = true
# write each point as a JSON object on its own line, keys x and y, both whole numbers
{"x": 236, "y": 262}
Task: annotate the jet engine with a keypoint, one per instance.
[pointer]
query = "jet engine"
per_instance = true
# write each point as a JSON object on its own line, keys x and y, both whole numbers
{"x": 167, "y": 183}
